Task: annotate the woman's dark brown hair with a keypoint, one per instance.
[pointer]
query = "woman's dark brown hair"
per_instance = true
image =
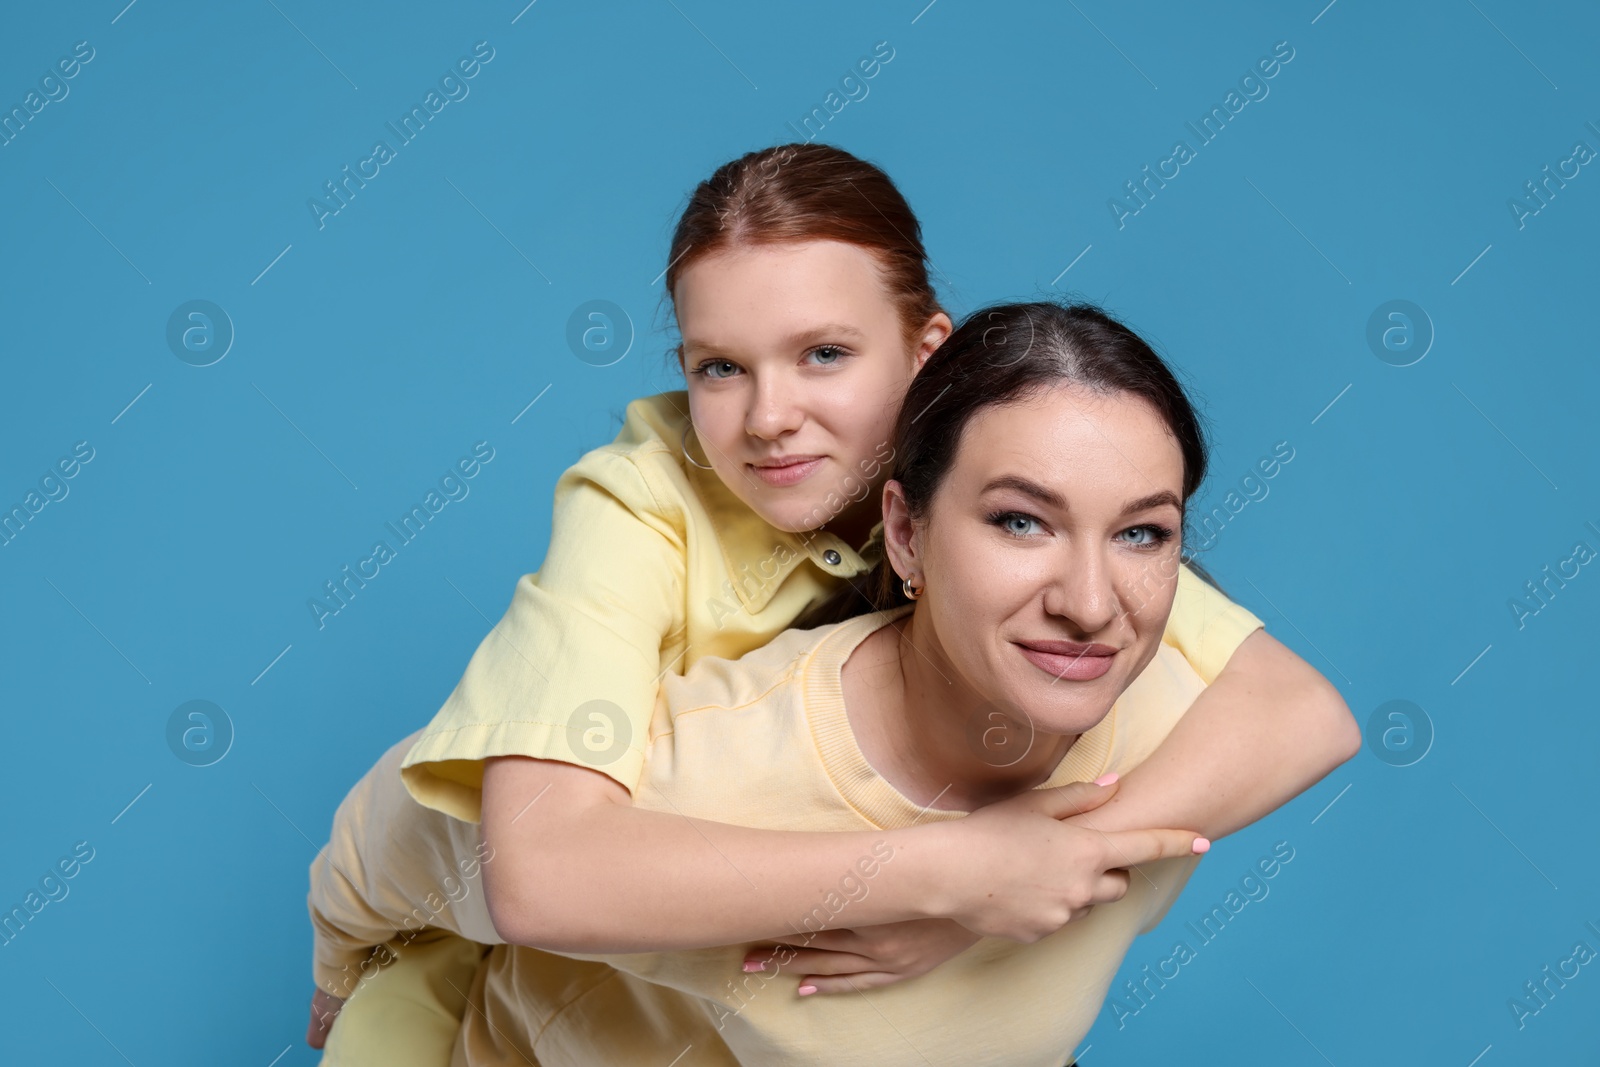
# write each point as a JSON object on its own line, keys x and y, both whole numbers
{"x": 1003, "y": 355}
{"x": 808, "y": 192}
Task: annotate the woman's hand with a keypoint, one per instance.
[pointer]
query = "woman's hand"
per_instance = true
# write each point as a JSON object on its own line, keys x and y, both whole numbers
{"x": 325, "y": 1008}
{"x": 1017, "y": 871}
{"x": 844, "y": 961}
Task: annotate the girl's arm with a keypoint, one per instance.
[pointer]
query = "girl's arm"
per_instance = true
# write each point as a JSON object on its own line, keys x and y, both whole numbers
{"x": 578, "y": 869}
{"x": 1265, "y": 729}
{"x": 1268, "y": 728}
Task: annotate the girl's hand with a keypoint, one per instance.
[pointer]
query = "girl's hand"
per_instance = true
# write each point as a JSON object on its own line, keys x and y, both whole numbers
{"x": 325, "y": 1008}
{"x": 1017, "y": 871}
{"x": 843, "y": 961}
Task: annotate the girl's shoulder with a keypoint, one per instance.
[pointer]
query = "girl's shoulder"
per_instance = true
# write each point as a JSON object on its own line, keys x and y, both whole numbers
{"x": 655, "y": 423}
{"x": 643, "y": 466}
{"x": 653, "y": 429}
{"x": 646, "y": 468}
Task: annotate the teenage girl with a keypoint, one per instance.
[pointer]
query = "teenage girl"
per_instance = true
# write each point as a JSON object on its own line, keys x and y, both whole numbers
{"x": 714, "y": 521}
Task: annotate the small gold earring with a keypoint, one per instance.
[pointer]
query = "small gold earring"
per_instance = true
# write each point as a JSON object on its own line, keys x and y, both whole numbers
{"x": 912, "y": 592}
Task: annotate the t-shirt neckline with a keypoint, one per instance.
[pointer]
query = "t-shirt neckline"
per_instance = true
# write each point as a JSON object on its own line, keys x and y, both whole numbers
{"x": 857, "y": 781}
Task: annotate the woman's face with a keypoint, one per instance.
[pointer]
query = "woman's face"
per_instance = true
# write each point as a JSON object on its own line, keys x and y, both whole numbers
{"x": 796, "y": 363}
{"x": 1049, "y": 554}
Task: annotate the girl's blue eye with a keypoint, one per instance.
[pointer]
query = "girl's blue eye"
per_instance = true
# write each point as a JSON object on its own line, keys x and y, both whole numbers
{"x": 718, "y": 368}
{"x": 827, "y": 355}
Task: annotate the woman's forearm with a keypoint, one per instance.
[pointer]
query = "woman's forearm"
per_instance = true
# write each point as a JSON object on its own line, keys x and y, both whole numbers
{"x": 580, "y": 870}
{"x": 1265, "y": 731}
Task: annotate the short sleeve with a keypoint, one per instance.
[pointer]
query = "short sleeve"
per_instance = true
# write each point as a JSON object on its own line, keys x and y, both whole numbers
{"x": 1206, "y": 626}
{"x": 571, "y": 672}
{"x": 1166, "y": 879}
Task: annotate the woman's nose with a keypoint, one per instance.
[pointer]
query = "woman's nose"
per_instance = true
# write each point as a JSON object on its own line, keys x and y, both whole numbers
{"x": 1081, "y": 590}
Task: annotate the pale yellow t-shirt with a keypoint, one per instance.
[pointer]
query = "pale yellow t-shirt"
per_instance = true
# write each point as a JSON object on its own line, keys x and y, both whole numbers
{"x": 654, "y": 564}
{"x": 765, "y": 742}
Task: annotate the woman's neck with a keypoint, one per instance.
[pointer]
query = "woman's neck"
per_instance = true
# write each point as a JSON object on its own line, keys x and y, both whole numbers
{"x": 932, "y": 737}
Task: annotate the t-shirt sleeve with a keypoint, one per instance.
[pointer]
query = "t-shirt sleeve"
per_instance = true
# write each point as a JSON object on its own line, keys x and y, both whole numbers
{"x": 1166, "y": 879}
{"x": 1206, "y": 626}
{"x": 570, "y": 673}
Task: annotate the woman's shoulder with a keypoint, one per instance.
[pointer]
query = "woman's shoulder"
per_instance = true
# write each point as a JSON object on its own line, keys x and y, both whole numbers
{"x": 793, "y": 667}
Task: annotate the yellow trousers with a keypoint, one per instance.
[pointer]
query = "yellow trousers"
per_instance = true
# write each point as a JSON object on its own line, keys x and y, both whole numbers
{"x": 408, "y": 1014}
{"x": 408, "y": 878}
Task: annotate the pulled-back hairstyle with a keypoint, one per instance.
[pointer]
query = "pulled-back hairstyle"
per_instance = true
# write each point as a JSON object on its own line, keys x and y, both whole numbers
{"x": 804, "y": 192}
{"x": 1002, "y": 355}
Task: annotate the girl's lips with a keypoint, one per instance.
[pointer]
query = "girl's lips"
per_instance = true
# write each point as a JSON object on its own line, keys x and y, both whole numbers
{"x": 1068, "y": 659}
{"x": 788, "y": 471}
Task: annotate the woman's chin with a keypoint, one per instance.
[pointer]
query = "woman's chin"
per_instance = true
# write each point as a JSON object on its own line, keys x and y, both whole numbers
{"x": 1071, "y": 708}
{"x": 1071, "y": 721}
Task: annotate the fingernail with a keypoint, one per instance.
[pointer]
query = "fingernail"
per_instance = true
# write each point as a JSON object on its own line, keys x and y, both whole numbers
{"x": 754, "y": 965}
{"x": 1201, "y": 845}
{"x": 807, "y": 990}
{"x": 1106, "y": 779}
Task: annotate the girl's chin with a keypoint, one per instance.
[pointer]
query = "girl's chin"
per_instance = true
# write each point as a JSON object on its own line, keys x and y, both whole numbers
{"x": 789, "y": 520}
{"x": 797, "y": 514}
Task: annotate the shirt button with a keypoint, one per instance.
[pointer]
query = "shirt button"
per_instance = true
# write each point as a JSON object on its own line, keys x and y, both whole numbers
{"x": 831, "y": 558}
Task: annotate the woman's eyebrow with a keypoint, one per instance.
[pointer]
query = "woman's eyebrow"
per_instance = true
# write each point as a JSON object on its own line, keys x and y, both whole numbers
{"x": 1154, "y": 500}
{"x": 1050, "y": 497}
{"x": 1027, "y": 487}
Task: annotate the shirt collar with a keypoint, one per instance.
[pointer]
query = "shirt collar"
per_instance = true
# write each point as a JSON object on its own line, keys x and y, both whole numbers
{"x": 759, "y": 556}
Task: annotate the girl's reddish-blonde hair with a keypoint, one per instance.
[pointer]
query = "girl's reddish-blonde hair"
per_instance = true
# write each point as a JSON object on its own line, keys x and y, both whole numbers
{"x": 805, "y": 192}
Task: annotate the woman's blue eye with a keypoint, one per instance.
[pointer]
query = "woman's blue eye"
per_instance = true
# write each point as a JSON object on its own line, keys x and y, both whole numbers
{"x": 1015, "y": 523}
{"x": 1146, "y": 536}
{"x": 718, "y": 368}
{"x": 827, "y": 355}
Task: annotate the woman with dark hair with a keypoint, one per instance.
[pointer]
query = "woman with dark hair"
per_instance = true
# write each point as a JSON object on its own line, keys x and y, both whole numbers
{"x": 717, "y": 518}
{"x": 1034, "y": 532}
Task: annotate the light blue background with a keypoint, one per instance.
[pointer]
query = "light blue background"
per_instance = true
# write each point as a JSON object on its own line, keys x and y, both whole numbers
{"x": 415, "y": 324}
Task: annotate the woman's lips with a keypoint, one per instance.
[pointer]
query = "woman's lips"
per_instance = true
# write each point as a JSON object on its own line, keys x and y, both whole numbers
{"x": 790, "y": 470}
{"x": 1069, "y": 659}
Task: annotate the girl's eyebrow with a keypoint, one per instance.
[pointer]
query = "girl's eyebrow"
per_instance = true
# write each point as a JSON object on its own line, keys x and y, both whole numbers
{"x": 832, "y": 331}
{"x": 826, "y": 332}
{"x": 707, "y": 347}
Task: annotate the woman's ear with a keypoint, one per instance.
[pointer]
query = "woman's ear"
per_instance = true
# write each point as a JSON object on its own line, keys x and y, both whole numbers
{"x": 900, "y": 539}
{"x": 933, "y": 335}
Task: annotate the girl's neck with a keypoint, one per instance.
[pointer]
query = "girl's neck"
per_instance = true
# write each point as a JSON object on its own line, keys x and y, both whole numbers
{"x": 854, "y": 524}
{"x": 929, "y": 735}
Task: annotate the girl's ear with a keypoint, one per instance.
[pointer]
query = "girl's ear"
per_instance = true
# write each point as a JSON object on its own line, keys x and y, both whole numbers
{"x": 939, "y": 327}
{"x": 900, "y": 534}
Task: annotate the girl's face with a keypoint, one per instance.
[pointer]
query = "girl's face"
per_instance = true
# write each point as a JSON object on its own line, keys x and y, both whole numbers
{"x": 796, "y": 362}
{"x": 1049, "y": 554}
